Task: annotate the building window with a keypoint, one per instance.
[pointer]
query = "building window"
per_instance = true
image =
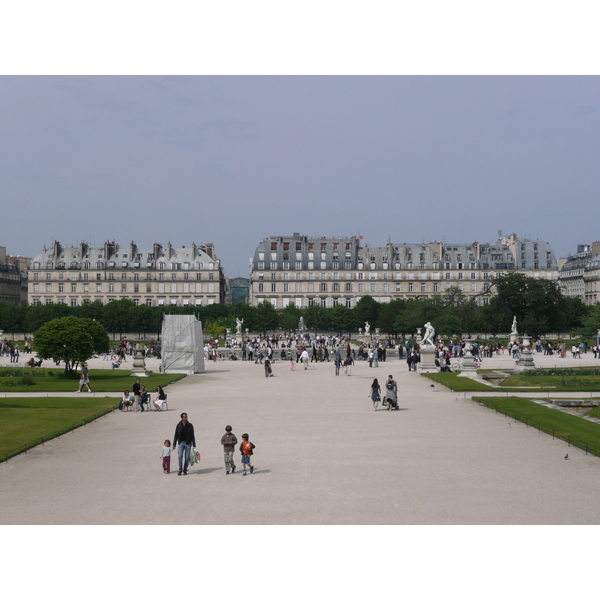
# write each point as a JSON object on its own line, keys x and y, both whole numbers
{"x": 61, "y": 288}
{"x": 423, "y": 287}
{"x": 98, "y": 287}
{"x": 361, "y": 287}
{"x": 323, "y": 287}
{"x": 410, "y": 287}
{"x": 86, "y": 287}
{"x": 347, "y": 287}
{"x": 73, "y": 288}
{"x": 447, "y": 275}
{"x": 273, "y": 287}
{"x": 123, "y": 288}
{"x": 385, "y": 287}
{"x": 436, "y": 287}
{"x": 336, "y": 287}
{"x": 73, "y": 301}
{"x": 286, "y": 287}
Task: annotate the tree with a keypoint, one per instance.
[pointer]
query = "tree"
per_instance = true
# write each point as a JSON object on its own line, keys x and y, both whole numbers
{"x": 70, "y": 339}
{"x": 388, "y": 315}
{"x": 366, "y": 309}
{"x": 213, "y": 329}
{"x": 117, "y": 316}
{"x": 537, "y": 304}
{"x": 341, "y": 318}
{"x": 266, "y": 317}
{"x": 317, "y": 317}
{"x": 289, "y": 317}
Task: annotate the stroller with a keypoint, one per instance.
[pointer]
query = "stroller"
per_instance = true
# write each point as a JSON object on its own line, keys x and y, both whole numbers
{"x": 268, "y": 370}
{"x": 392, "y": 403}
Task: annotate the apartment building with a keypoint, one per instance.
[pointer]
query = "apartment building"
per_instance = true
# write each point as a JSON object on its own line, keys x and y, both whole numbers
{"x": 579, "y": 273}
{"x": 152, "y": 276}
{"x": 332, "y": 271}
{"x": 10, "y": 280}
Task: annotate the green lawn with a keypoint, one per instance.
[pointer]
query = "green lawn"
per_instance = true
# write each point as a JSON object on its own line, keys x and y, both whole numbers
{"x": 579, "y": 431}
{"x": 458, "y": 384}
{"x": 101, "y": 380}
{"x": 558, "y": 382}
{"x": 27, "y": 422}
{"x": 554, "y": 383}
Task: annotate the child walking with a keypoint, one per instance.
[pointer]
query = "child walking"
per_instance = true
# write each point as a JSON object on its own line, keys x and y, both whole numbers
{"x": 246, "y": 448}
{"x": 166, "y": 457}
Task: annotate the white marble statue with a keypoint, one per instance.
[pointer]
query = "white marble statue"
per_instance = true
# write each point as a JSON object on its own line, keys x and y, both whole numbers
{"x": 238, "y": 326}
{"x": 429, "y": 334}
{"x": 367, "y": 327}
{"x": 513, "y": 331}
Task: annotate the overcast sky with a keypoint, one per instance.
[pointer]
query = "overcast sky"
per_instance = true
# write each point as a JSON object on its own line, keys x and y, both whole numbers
{"x": 233, "y": 159}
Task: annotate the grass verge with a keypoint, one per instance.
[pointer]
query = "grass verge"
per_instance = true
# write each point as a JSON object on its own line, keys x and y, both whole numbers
{"x": 458, "y": 384}
{"x": 28, "y": 422}
{"x": 575, "y": 430}
{"x": 101, "y": 380}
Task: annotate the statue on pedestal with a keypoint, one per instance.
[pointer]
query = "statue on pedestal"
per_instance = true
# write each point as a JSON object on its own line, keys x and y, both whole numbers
{"x": 513, "y": 331}
{"x": 429, "y": 334}
{"x": 367, "y": 328}
{"x": 238, "y": 326}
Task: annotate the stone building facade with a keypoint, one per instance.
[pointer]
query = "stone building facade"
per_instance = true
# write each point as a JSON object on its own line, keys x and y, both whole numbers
{"x": 332, "y": 271}
{"x": 10, "y": 280}
{"x": 579, "y": 273}
{"x": 151, "y": 276}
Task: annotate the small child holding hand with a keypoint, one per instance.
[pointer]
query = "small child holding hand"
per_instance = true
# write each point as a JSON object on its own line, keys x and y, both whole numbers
{"x": 166, "y": 457}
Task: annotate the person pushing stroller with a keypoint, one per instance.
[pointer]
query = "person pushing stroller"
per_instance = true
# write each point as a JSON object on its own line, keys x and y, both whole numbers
{"x": 391, "y": 394}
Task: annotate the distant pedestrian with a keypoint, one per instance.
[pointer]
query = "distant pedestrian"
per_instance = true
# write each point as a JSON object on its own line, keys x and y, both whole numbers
{"x": 247, "y": 450}
{"x": 305, "y": 359}
{"x": 84, "y": 379}
{"x": 166, "y": 456}
{"x": 229, "y": 441}
{"x": 349, "y": 363}
{"x": 375, "y": 393}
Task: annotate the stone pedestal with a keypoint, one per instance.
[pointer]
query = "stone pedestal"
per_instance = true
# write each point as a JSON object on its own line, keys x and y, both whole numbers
{"x": 468, "y": 361}
{"x": 139, "y": 365}
{"x": 428, "y": 359}
{"x": 526, "y": 363}
{"x": 514, "y": 337}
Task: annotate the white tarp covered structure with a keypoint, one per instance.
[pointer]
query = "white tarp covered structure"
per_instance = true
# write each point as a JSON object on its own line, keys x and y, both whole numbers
{"x": 182, "y": 345}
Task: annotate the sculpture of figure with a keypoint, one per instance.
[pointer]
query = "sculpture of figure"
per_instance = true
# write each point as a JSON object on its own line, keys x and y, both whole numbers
{"x": 514, "y": 326}
{"x": 238, "y": 325}
{"x": 429, "y": 334}
{"x": 367, "y": 327}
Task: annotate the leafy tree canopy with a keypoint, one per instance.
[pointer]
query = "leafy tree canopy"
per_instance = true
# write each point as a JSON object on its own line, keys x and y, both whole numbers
{"x": 73, "y": 340}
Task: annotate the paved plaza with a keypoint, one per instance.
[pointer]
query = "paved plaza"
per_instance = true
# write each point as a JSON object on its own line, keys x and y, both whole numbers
{"x": 323, "y": 456}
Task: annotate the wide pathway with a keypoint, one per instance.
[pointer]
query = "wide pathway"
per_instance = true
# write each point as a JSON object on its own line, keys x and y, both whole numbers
{"x": 323, "y": 456}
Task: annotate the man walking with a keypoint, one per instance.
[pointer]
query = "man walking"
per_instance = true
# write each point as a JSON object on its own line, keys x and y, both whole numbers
{"x": 184, "y": 434}
{"x": 137, "y": 397}
{"x": 229, "y": 441}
